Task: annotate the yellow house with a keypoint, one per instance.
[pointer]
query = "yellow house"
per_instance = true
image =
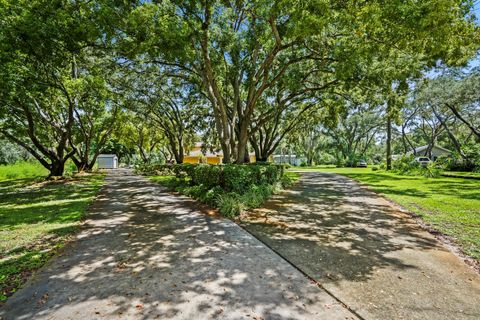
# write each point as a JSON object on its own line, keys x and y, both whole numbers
{"x": 191, "y": 159}
{"x": 214, "y": 160}
{"x": 195, "y": 155}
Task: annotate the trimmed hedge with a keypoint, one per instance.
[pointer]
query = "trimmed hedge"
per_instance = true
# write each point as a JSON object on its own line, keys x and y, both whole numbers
{"x": 230, "y": 188}
{"x": 230, "y": 177}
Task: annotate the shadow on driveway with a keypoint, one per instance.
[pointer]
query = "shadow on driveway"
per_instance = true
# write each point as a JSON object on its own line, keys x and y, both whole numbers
{"x": 147, "y": 254}
{"x": 370, "y": 256}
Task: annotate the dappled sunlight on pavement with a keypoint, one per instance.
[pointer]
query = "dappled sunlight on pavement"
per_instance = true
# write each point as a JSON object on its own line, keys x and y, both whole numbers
{"x": 365, "y": 252}
{"x": 147, "y": 254}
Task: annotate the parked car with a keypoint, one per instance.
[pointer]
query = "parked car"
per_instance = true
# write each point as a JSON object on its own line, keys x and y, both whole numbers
{"x": 424, "y": 161}
{"x": 362, "y": 164}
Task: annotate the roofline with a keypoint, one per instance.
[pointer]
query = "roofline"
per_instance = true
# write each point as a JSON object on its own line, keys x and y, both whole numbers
{"x": 421, "y": 148}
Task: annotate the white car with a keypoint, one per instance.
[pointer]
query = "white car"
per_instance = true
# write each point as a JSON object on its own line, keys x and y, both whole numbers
{"x": 361, "y": 164}
{"x": 424, "y": 161}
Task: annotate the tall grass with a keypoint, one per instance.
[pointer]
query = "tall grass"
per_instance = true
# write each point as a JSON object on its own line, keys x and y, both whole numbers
{"x": 22, "y": 170}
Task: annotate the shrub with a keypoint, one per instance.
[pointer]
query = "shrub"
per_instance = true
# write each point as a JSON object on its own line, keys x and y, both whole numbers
{"x": 340, "y": 163}
{"x": 455, "y": 162}
{"x": 212, "y": 196}
{"x": 230, "y": 205}
{"x": 257, "y": 195}
{"x": 238, "y": 178}
{"x": 155, "y": 169}
{"x": 195, "y": 192}
{"x": 406, "y": 165}
{"x": 375, "y": 168}
{"x": 432, "y": 170}
{"x": 231, "y": 188}
{"x": 207, "y": 175}
{"x": 11, "y": 153}
{"x": 287, "y": 181}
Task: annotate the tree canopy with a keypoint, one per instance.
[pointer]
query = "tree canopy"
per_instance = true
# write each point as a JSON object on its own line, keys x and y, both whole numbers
{"x": 240, "y": 74}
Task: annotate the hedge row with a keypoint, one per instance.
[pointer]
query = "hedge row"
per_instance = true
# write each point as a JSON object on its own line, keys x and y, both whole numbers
{"x": 231, "y": 177}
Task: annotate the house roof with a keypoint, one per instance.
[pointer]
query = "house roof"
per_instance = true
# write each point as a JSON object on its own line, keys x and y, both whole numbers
{"x": 284, "y": 155}
{"x": 106, "y": 155}
{"x": 422, "y": 148}
{"x": 198, "y": 152}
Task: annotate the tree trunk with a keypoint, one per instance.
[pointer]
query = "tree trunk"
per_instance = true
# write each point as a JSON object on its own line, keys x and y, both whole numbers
{"x": 404, "y": 141}
{"x": 389, "y": 143}
{"x": 57, "y": 168}
{"x": 450, "y": 134}
{"x": 242, "y": 143}
{"x": 82, "y": 164}
{"x": 180, "y": 154}
{"x": 256, "y": 148}
{"x": 94, "y": 159}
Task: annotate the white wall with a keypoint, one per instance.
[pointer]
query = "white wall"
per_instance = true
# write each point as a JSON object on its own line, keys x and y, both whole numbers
{"x": 107, "y": 162}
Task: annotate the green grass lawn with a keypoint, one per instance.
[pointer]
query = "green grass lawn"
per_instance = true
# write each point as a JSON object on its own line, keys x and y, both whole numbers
{"x": 36, "y": 218}
{"x": 22, "y": 170}
{"x": 449, "y": 205}
{"x": 463, "y": 174}
{"x": 163, "y": 180}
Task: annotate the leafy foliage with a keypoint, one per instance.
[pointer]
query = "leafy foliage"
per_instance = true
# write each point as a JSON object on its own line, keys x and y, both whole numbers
{"x": 407, "y": 165}
{"x": 231, "y": 188}
{"x": 11, "y": 153}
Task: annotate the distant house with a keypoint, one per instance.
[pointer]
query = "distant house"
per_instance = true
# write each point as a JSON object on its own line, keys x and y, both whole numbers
{"x": 436, "y": 152}
{"x": 196, "y": 155}
{"x": 288, "y": 158}
{"x": 107, "y": 161}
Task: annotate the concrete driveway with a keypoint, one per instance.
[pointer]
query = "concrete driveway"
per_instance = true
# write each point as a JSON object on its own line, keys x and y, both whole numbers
{"x": 146, "y": 254}
{"x": 365, "y": 252}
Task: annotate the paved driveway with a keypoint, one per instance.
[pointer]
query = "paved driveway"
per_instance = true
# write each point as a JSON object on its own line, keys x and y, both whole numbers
{"x": 146, "y": 254}
{"x": 375, "y": 259}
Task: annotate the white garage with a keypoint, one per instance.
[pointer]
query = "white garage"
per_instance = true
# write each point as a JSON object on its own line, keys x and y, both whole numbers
{"x": 107, "y": 161}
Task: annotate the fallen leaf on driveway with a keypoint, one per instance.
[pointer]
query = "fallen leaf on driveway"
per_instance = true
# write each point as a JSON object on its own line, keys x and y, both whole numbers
{"x": 43, "y": 299}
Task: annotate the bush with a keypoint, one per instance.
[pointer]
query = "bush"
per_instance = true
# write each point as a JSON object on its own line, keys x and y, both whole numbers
{"x": 178, "y": 170}
{"x": 230, "y": 205}
{"x": 406, "y": 165}
{"x": 432, "y": 170}
{"x": 257, "y": 195}
{"x": 287, "y": 180}
{"x": 212, "y": 196}
{"x": 231, "y": 188}
{"x": 239, "y": 178}
{"x": 207, "y": 175}
{"x": 11, "y": 153}
{"x": 455, "y": 162}
{"x": 340, "y": 163}
{"x": 375, "y": 168}
{"x": 155, "y": 169}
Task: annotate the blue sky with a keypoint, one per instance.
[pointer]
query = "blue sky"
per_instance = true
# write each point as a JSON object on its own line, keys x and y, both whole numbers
{"x": 476, "y": 9}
